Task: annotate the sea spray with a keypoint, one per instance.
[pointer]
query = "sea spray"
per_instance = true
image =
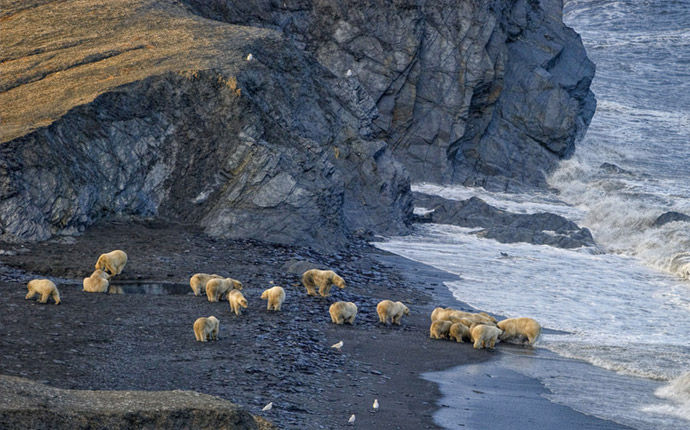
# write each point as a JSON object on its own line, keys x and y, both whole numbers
{"x": 677, "y": 394}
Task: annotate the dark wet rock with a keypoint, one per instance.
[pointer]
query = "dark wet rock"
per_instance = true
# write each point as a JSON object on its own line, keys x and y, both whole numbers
{"x": 150, "y": 110}
{"x": 671, "y": 216}
{"x": 503, "y": 226}
{"x": 269, "y": 149}
{"x": 613, "y": 169}
{"x": 482, "y": 93}
{"x": 28, "y": 404}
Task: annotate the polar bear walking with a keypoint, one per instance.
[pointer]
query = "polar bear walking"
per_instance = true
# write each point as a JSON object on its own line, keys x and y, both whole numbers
{"x": 324, "y": 279}
{"x": 237, "y": 301}
{"x": 393, "y": 310}
{"x": 275, "y": 297}
{"x": 45, "y": 287}
{"x": 113, "y": 262}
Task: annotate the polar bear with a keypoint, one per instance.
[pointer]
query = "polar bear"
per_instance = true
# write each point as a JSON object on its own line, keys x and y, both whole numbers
{"x": 460, "y": 332}
{"x": 484, "y": 335}
{"x": 237, "y": 301}
{"x": 441, "y": 313}
{"x": 45, "y": 288}
{"x": 439, "y": 329}
{"x": 393, "y": 310}
{"x": 517, "y": 328}
{"x": 218, "y": 287}
{"x": 275, "y": 297}
{"x": 198, "y": 282}
{"x": 113, "y": 262}
{"x": 343, "y": 312}
{"x": 454, "y": 315}
{"x": 97, "y": 283}
{"x": 323, "y": 279}
{"x": 206, "y": 329}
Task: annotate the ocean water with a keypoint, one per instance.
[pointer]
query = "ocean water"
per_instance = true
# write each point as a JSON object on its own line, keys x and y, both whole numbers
{"x": 626, "y": 311}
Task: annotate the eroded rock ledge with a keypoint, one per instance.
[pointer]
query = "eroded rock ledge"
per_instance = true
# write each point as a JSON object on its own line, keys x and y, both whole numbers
{"x": 28, "y": 404}
{"x": 542, "y": 228}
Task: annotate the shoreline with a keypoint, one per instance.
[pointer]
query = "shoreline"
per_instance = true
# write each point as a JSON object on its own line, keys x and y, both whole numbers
{"x": 521, "y": 398}
{"x": 145, "y": 342}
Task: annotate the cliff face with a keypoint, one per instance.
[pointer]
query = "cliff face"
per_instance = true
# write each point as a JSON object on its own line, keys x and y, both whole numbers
{"x": 175, "y": 122}
{"x": 489, "y": 93}
{"x": 150, "y": 108}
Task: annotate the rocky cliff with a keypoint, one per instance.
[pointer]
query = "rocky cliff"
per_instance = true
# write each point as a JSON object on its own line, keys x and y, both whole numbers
{"x": 490, "y": 93}
{"x": 154, "y": 108}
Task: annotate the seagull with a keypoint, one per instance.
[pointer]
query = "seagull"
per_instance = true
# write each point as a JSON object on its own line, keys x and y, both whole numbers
{"x": 352, "y": 419}
{"x": 268, "y": 407}
{"x": 337, "y": 345}
{"x": 250, "y": 57}
{"x": 376, "y": 405}
{"x": 348, "y": 73}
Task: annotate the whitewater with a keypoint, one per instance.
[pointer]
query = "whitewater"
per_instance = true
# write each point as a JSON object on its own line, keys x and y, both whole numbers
{"x": 625, "y": 310}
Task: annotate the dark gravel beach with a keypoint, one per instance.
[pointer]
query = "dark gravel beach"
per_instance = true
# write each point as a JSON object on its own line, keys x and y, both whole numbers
{"x": 145, "y": 341}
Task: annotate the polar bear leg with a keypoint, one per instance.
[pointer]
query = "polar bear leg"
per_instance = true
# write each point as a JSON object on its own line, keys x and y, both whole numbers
{"x": 325, "y": 290}
{"x": 44, "y": 297}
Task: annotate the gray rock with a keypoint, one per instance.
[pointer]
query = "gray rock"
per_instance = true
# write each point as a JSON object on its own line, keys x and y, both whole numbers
{"x": 28, "y": 404}
{"x": 671, "y": 216}
{"x": 481, "y": 93}
{"x": 155, "y": 112}
{"x": 269, "y": 149}
{"x": 503, "y": 226}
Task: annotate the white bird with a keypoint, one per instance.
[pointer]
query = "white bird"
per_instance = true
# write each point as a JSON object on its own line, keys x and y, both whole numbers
{"x": 268, "y": 407}
{"x": 352, "y": 419}
{"x": 348, "y": 73}
{"x": 250, "y": 57}
{"x": 376, "y": 405}
{"x": 337, "y": 345}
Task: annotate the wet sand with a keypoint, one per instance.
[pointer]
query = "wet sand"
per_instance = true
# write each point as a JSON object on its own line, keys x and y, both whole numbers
{"x": 145, "y": 341}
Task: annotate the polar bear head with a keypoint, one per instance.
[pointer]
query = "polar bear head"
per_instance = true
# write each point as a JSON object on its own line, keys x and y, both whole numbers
{"x": 338, "y": 281}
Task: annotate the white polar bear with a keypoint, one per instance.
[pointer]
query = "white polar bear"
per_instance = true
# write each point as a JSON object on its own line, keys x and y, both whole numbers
{"x": 45, "y": 288}
{"x": 237, "y": 301}
{"x": 343, "y": 312}
{"x": 97, "y": 283}
{"x": 198, "y": 282}
{"x": 485, "y": 336}
{"x": 217, "y": 288}
{"x": 275, "y": 297}
{"x": 518, "y": 328}
{"x": 393, "y": 310}
{"x": 460, "y": 332}
{"x": 439, "y": 329}
{"x": 324, "y": 279}
{"x": 113, "y": 262}
{"x": 206, "y": 329}
{"x": 454, "y": 315}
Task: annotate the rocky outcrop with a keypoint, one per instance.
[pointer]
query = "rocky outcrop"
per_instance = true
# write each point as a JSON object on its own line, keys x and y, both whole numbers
{"x": 28, "y": 404}
{"x": 155, "y": 108}
{"x": 506, "y": 227}
{"x": 268, "y": 149}
{"x": 671, "y": 216}
{"x": 489, "y": 93}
